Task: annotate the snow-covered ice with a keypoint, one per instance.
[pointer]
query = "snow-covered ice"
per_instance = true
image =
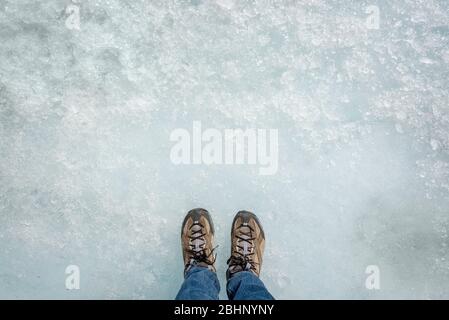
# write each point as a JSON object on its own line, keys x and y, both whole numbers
{"x": 86, "y": 111}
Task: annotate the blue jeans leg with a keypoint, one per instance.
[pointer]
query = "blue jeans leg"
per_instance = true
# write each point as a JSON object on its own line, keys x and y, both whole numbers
{"x": 245, "y": 285}
{"x": 200, "y": 283}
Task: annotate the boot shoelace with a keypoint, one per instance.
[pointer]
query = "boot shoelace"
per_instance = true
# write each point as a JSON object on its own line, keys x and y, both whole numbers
{"x": 197, "y": 245}
{"x": 244, "y": 259}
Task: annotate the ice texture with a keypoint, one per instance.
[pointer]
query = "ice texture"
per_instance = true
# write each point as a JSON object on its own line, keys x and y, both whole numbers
{"x": 86, "y": 115}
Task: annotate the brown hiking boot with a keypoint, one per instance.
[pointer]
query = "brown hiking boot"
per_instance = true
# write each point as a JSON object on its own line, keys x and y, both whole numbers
{"x": 247, "y": 244}
{"x": 197, "y": 236}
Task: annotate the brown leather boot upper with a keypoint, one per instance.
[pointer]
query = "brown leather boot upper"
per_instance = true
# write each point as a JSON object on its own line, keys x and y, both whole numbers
{"x": 247, "y": 244}
{"x": 197, "y": 237}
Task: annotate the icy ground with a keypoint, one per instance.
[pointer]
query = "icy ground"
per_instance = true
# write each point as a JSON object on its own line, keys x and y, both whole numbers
{"x": 363, "y": 120}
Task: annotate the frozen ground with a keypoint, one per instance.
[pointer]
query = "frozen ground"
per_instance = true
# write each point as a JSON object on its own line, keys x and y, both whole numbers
{"x": 85, "y": 119}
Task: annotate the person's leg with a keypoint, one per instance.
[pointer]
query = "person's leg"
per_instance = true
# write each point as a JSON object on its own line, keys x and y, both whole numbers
{"x": 245, "y": 285}
{"x": 197, "y": 237}
{"x": 200, "y": 283}
{"x": 244, "y": 265}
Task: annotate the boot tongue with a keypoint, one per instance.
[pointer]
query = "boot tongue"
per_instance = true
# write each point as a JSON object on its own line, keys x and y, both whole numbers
{"x": 197, "y": 243}
{"x": 246, "y": 231}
